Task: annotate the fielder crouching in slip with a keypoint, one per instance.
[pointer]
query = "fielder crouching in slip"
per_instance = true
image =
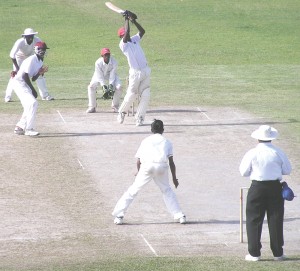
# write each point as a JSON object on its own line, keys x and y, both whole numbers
{"x": 265, "y": 164}
{"x": 32, "y": 67}
{"x": 139, "y": 71}
{"x": 154, "y": 158}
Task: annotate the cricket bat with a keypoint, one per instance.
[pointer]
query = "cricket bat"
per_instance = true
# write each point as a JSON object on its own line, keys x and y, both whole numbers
{"x": 114, "y": 8}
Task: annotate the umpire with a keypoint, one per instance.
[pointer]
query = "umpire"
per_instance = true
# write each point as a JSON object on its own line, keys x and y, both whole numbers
{"x": 265, "y": 164}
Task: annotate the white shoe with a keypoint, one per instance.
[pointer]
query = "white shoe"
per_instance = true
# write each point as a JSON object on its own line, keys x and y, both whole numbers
{"x": 250, "y": 258}
{"x": 281, "y": 258}
{"x": 19, "y": 131}
{"x": 121, "y": 117}
{"x": 7, "y": 99}
{"x": 48, "y": 98}
{"x": 114, "y": 109}
{"x": 139, "y": 121}
{"x": 182, "y": 220}
{"x": 118, "y": 220}
{"x": 91, "y": 110}
{"x": 31, "y": 132}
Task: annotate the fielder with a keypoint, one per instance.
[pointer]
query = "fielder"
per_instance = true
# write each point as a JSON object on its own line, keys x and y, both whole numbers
{"x": 139, "y": 71}
{"x": 105, "y": 74}
{"x": 33, "y": 68}
{"x": 154, "y": 157}
{"x": 22, "y": 49}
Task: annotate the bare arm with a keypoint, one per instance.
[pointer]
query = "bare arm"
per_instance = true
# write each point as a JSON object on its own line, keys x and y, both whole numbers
{"x": 126, "y": 37}
{"x": 173, "y": 171}
{"x": 139, "y": 27}
{"x": 15, "y": 64}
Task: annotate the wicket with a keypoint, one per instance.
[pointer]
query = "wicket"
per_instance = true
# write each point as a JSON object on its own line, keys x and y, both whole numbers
{"x": 242, "y": 212}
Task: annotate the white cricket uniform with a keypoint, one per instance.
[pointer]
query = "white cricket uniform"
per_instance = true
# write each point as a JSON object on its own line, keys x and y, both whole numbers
{"x": 105, "y": 74}
{"x": 31, "y": 66}
{"x": 139, "y": 76}
{"x": 20, "y": 51}
{"x": 154, "y": 153}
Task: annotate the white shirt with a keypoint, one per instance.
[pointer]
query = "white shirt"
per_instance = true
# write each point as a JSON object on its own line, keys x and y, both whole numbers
{"x": 23, "y": 50}
{"x": 265, "y": 162}
{"x": 30, "y": 65}
{"x": 134, "y": 53}
{"x": 105, "y": 71}
{"x": 155, "y": 149}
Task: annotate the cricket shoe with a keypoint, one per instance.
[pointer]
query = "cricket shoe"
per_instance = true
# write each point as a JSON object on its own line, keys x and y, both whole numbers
{"x": 182, "y": 220}
{"x": 48, "y": 98}
{"x": 250, "y": 258}
{"x": 114, "y": 109}
{"x": 91, "y": 110}
{"x": 121, "y": 117}
{"x": 31, "y": 132}
{"x": 118, "y": 220}
{"x": 19, "y": 131}
{"x": 7, "y": 99}
{"x": 139, "y": 121}
{"x": 281, "y": 258}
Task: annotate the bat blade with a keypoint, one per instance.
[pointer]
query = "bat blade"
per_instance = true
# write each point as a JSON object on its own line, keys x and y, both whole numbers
{"x": 114, "y": 8}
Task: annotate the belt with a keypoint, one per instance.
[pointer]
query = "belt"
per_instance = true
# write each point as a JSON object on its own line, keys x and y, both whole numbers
{"x": 265, "y": 181}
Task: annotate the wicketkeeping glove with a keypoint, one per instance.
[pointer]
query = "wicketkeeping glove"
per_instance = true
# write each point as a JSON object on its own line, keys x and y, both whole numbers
{"x": 105, "y": 92}
{"x": 111, "y": 91}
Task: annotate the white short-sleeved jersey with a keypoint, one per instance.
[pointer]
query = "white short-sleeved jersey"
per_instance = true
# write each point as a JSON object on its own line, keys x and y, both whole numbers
{"x": 134, "y": 53}
{"x": 30, "y": 65}
{"x": 265, "y": 162}
{"x": 155, "y": 149}
{"x": 23, "y": 50}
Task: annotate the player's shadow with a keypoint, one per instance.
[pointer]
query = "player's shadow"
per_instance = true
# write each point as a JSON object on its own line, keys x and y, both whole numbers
{"x": 87, "y": 134}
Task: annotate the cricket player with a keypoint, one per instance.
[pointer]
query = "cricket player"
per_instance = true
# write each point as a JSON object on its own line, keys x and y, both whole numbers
{"x": 106, "y": 75}
{"x": 154, "y": 158}
{"x": 22, "y": 49}
{"x": 31, "y": 69}
{"x": 139, "y": 71}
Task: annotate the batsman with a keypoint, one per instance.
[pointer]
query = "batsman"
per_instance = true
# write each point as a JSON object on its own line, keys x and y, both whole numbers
{"x": 139, "y": 71}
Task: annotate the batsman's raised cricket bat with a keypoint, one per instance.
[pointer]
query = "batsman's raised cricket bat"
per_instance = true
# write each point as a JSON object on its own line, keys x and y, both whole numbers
{"x": 114, "y": 8}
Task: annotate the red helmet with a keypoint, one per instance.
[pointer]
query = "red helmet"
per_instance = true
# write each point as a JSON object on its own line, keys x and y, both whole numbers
{"x": 104, "y": 51}
{"x": 121, "y": 32}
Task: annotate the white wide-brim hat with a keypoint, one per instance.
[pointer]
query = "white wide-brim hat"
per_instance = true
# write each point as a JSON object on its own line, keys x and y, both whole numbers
{"x": 29, "y": 32}
{"x": 265, "y": 133}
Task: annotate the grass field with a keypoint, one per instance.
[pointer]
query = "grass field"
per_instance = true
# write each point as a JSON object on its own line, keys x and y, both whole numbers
{"x": 242, "y": 54}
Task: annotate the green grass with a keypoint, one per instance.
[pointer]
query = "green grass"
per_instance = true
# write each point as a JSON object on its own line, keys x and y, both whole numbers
{"x": 243, "y": 54}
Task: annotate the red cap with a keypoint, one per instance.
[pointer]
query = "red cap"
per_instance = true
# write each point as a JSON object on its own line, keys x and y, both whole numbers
{"x": 42, "y": 45}
{"x": 121, "y": 32}
{"x": 105, "y": 51}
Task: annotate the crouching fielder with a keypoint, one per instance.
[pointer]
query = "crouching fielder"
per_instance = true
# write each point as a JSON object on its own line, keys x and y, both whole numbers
{"x": 105, "y": 74}
{"x": 139, "y": 71}
{"x": 32, "y": 67}
{"x": 154, "y": 157}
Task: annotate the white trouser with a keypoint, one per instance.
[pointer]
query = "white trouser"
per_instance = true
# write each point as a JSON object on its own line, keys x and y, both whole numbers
{"x": 139, "y": 85}
{"x": 29, "y": 103}
{"x": 40, "y": 82}
{"x": 92, "y": 88}
{"x": 150, "y": 171}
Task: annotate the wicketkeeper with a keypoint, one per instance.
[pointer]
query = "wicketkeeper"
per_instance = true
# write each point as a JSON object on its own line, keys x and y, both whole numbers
{"x": 106, "y": 76}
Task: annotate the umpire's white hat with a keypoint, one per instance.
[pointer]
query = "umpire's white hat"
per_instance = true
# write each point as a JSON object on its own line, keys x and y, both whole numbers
{"x": 29, "y": 32}
{"x": 265, "y": 133}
